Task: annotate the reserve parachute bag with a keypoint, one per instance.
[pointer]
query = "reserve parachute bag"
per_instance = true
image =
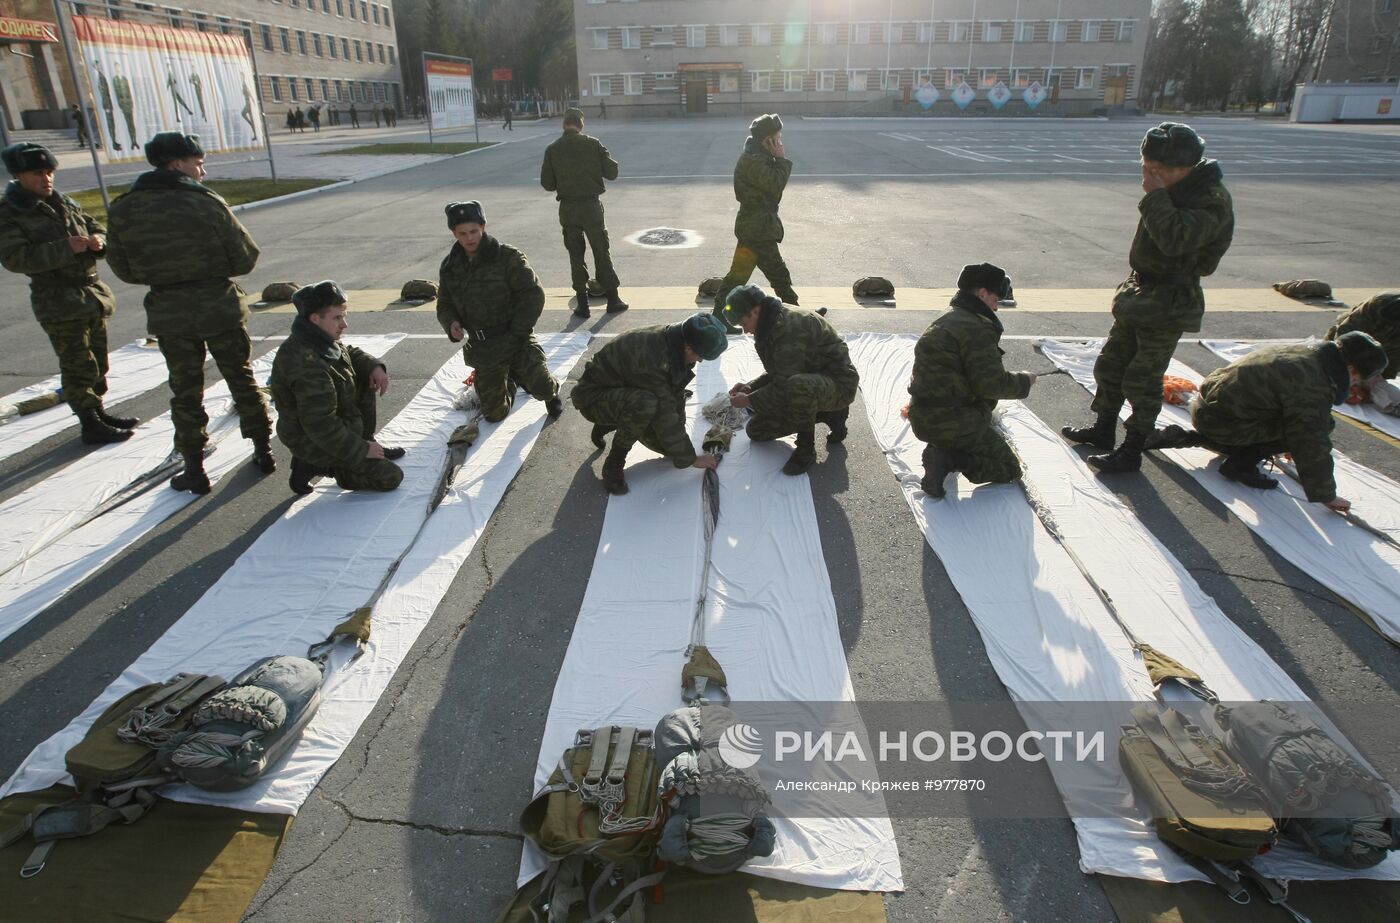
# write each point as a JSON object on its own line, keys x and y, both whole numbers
{"x": 1202, "y": 802}
{"x": 1305, "y": 289}
{"x": 1327, "y": 801}
{"x": 715, "y": 813}
{"x": 709, "y": 288}
{"x": 872, "y": 287}
{"x": 597, "y": 820}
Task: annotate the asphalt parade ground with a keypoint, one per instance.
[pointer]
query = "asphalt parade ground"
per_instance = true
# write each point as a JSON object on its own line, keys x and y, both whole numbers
{"x": 417, "y": 821}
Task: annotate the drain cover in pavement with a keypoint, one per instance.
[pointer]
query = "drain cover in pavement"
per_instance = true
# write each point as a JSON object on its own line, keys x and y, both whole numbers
{"x": 666, "y": 238}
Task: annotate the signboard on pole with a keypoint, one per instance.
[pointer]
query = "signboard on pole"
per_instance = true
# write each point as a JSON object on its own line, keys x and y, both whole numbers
{"x": 451, "y": 100}
{"x": 927, "y": 95}
{"x": 998, "y": 95}
{"x": 1035, "y": 94}
{"x": 148, "y": 79}
{"x": 502, "y": 74}
{"x": 963, "y": 95}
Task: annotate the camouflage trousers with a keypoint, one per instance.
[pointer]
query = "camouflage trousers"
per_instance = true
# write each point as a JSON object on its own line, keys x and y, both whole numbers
{"x": 81, "y": 347}
{"x": 768, "y": 260}
{"x": 232, "y": 352}
{"x": 1130, "y": 367}
{"x": 796, "y": 407}
{"x": 495, "y": 385}
{"x": 630, "y": 411}
{"x": 982, "y": 454}
{"x": 583, "y": 220}
{"x": 368, "y": 473}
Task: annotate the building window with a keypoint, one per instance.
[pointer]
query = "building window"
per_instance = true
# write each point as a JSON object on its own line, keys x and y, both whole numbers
{"x": 729, "y": 83}
{"x": 201, "y": 22}
{"x": 1084, "y": 78}
{"x": 988, "y": 77}
{"x": 359, "y": 51}
{"x": 632, "y": 37}
{"x": 325, "y": 6}
{"x": 663, "y": 36}
{"x": 1020, "y": 77}
{"x": 376, "y": 14}
{"x": 729, "y": 35}
{"x": 301, "y": 42}
{"x": 600, "y": 39}
{"x": 285, "y": 38}
{"x": 173, "y": 16}
{"x": 926, "y": 32}
{"x": 225, "y": 24}
{"x": 666, "y": 80}
{"x": 1091, "y": 30}
{"x": 889, "y": 80}
{"x": 631, "y": 84}
{"x": 340, "y": 7}
{"x": 862, "y": 33}
{"x": 364, "y": 10}
{"x": 762, "y": 81}
{"x": 392, "y": 59}
{"x": 795, "y": 33}
{"x": 826, "y": 81}
{"x": 1128, "y": 28}
{"x": 292, "y": 86}
{"x": 922, "y": 76}
{"x": 345, "y": 48}
{"x": 602, "y": 84}
{"x": 330, "y": 45}
{"x": 695, "y": 36}
{"x": 954, "y": 76}
{"x": 310, "y": 88}
{"x": 1025, "y": 31}
{"x": 826, "y": 33}
{"x": 761, "y": 34}
{"x": 855, "y": 81}
{"x": 1059, "y": 31}
{"x": 325, "y": 88}
{"x": 792, "y": 81}
{"x": 266, "y": 36}
{"x": 316, "y": 43}
{"x": 991, "y": 32}
{"x": 961, "y": 32}
{"x": 386, "y": 17}
{"x": 276, "y": 84}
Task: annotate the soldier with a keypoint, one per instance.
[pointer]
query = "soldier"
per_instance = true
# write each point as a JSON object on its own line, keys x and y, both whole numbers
{"x": 574, "y": 168}
{"x": 1279, "y": 399}
{"x": 325, "y": 394}
{"x": 48, "y": 236}
{"x": 807, "y": 375}
{"x": 1378, "y": 316}
{"x": 488, "y": 294}
{"x": 178, "y": 236}
{"x": 1185, "y": 227}
{"x": 760, "y": 177}
{"x": 958, "y": 379}
{"x": 635, "y": 386}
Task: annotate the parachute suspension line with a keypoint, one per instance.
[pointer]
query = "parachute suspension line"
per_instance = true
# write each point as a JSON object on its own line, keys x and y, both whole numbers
{"x": 1351, "y": 516}
{"x": 709, "y": 498}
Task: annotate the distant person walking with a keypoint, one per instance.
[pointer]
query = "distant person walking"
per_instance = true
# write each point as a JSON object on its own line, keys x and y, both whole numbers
{"x": 603, "y": 108}
{"x": 354, "y": 117}
{"x": 507, "y": 124}
{"x": 82, "y": 127}
{"x": 314, "y": 114}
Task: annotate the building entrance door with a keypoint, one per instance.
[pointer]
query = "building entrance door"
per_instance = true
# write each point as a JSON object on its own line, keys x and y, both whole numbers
{"x": 1115, "y": 92}
{"x": 696, "y": 95}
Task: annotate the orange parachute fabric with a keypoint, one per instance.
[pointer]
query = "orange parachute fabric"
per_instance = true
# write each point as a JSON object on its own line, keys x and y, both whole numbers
{"x": 1177, "y": 390}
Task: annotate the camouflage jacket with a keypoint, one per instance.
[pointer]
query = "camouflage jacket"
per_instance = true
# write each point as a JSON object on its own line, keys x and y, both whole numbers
{"x": 63, "y": 285}
{"x": 496, "y": 297}
{"x": 315, "y": 385}
{"x": 652, "y": 359}
{"x": 1181, "y": 235}
{"x": 958, "y": 373}
{"x": 179, "y": 237}
{"x": 575, "y": 166}
{"x": 1281, "y": 395}
{"x": 796, "y": 343}
{"x": 759, "y": 181}
{"x": 1380, "y": 317}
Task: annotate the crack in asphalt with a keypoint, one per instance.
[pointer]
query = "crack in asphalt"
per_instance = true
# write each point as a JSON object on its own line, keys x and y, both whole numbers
{"x": 1320, "y": 597}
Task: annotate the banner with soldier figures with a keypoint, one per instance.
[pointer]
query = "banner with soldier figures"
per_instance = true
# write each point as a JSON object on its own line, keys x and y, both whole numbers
{"x": 147, "y": 79}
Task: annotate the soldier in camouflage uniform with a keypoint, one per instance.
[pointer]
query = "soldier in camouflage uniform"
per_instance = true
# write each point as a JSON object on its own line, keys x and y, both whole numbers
{"x": 1279, "y": 399}
{"x": 488, "y": 294}
{"x": 325, "y": 392}
{"x": 574, "y": 168}
{"x": 1185, "y": 226}
{"x": 47, "y": 236}
{"x": 760, "y": 177}
{"x": 807, "y": 375}
{"x": 958, "y": 379}
{"x": 178, "y": 236}
{"x": 635, "y": 385}
{"x": 1378, "y": 316}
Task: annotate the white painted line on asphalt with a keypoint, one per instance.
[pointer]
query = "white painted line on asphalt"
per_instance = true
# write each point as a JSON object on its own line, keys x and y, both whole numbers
{"x": 966, "y": 154}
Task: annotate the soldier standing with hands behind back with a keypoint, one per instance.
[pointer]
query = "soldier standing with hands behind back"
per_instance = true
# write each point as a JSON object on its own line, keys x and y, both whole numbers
{"x": 177, "y": 235}
{"x": 575, "y": 166}
{"x": 1186, "y": 224}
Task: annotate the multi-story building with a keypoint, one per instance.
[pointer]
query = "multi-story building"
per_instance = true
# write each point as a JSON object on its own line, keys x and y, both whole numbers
{"x": 1363, "y": 43}
{"x": 665, "y": 57}
{"x": 307, "y": 51}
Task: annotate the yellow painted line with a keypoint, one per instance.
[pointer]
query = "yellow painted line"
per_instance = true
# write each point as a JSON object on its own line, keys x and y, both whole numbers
{"x": 1382, "y": 435}
{"x": 1028, "y": 301}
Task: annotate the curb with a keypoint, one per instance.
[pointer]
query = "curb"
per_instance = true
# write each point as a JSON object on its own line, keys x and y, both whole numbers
{"x": 339, "y": 184}
{"x": 953, "y": 118}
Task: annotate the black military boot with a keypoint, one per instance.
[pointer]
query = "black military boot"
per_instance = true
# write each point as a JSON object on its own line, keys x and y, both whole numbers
{"x": 193, "y": 477}
{"x": 1100, "y": 435}
{"x": 1243, "y": 468}
{"x": 116, "y": 422}
{"x": 581, "y": 304}
{"x": 787, "y": 295}
{"x": 394, "y": 453}
{"x": 938, "y": 464}
{"x": 600, "y": 435}
{"x": 554, "y": 407}
{"x": 804, "y": 456}
{"x": 615, "y": 303}
{"x": 835, "y": 421}
{"x": 98, "y": 432}
{"x": 300, "y": 479}
{"x": 1127, "y": 457}
{"x": 262, "y": 454}
{"x": 613, "y": 481}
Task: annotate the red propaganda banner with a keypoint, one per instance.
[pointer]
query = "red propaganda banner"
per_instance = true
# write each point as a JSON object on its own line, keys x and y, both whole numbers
{"x": 502, "y": 74}
{"x": 448, "y": 68}
{"x": 27, "y": 30}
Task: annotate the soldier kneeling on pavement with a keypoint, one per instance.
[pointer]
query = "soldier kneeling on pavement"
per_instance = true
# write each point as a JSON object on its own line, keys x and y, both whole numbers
{"x": 489, "y": 295}
{"x": 635, "y": 388}
{"x": 807, "y": 375}
{"x": 325, "y": 393}
{"x": 47, "y": 236}
{"x": 1279, "y": 399}
{"x": 1378, "y": 316}
{"x": 958, "y": 379}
